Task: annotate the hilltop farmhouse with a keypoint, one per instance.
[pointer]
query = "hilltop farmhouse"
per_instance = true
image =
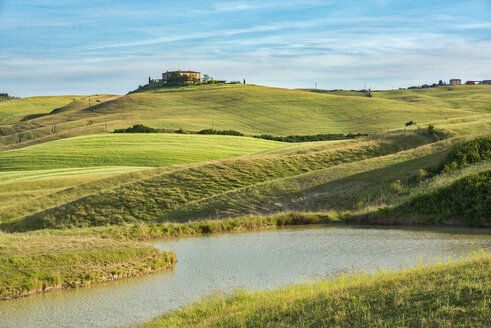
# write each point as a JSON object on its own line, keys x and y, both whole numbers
{"x": 455, "y": 81}
{"x": 191, "y": 74}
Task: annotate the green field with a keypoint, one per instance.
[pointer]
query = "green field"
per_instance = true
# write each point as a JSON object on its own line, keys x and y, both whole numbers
{"x": 444, "y": 295}
{"x": 183, "y": 186}
{"x": 151, "y": 150}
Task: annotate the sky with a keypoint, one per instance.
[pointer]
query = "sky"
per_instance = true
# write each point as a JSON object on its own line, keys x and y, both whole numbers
{"x": 55, "y": 47}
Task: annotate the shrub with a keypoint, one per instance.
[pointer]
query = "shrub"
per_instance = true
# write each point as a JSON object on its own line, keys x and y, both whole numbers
{"x": 396, "y": 187}
{"x": 422, "y": 174}
{"x": 221, "y": 132}
{"x": 467, "y": 199}
{"x": 465, "y": 153}
{"x": 308, "y": 138}
{"x": 137, "y": 128}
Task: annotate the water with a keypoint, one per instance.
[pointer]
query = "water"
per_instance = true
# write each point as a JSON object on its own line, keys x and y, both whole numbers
{"x": 257, "y": 260}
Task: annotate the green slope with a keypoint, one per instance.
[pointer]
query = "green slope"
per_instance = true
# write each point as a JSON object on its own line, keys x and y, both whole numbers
{"x": 15, "y": 110}
{"x": 466, "y": 199}
{"x": 247, "y": 108}
{"x": 150, "y": 198}
{"x": 151, "y": 150}
{"x": 469, "y": 97}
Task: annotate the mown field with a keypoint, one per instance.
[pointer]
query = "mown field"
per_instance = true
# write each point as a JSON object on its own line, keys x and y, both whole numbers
{"x": 98, "y": 191}
{"x": 142, "y": 150}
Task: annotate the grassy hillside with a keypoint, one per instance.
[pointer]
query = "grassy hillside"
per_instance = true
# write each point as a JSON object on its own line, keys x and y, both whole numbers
{"x": 14, "y": 110}
{"x": 25, "y": 109}
{"x": 75, "y": 171}
{"x": 345, "y": 187}
{"x": 246, "y": 108}
{"x": 445, "y": 295}
{"x": 151, "y": 150}
{"x": 469, "y": 97}
{"x": 468, "y": 198}
{"x": 149, "y": 199}
{"x": 27, "y": 188}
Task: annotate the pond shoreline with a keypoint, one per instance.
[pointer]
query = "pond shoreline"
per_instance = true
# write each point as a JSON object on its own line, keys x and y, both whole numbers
{"x": 259, "y": 259}
{"x": 102, "y": 280}
{"x": 146, "y": 233}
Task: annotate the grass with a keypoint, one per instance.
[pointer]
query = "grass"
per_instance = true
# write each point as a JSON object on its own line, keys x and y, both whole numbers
{"x": 469, "y": 97}
{"x": 38, "y": 263}
{"x": 26, "y": 109}
{"x": 14, "y": 110}
{"x": 151, "y": 198}
{"x": 467, "y": 199}
{"x": 19, "y": 186}
{"x": 151, "y": 150}
{"x": 444, "y": 295}
{"x": 252, "y": 110}
{"x": 142, "y": 231}
{"x": 344, "y": 187}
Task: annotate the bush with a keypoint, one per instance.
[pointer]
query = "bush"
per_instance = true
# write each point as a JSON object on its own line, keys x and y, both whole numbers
{"x": 396, "y": 187}
{"x": 221, "y": 132}
{"x": 466, "y": 153}
{"x": 308, "y": 138}
{"x": 467, "y": 199}
{"x": 137, "y": 128}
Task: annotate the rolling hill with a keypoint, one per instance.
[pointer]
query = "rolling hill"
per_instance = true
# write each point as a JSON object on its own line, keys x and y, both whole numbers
{"x": 68, "y": 172}
{"x": 249, "y": 109}
{"x": 78, "y": 195}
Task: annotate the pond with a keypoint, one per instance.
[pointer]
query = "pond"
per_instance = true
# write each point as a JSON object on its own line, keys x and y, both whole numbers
{"x": 253, "y": 260}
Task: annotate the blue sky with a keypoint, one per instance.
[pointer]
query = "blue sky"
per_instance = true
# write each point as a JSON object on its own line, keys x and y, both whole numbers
{"x": 53, "y": 47}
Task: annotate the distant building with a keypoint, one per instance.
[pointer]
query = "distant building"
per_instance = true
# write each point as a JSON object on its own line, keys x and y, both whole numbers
{"x": 470, "y": 83}
{"x": 455, "y": 82}
{"x": 486, "y": 82}
{"x": 167, "y": 75}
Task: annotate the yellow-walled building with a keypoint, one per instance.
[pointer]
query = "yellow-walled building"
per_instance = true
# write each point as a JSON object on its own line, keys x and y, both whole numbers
{"x": 167, "y": 75}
